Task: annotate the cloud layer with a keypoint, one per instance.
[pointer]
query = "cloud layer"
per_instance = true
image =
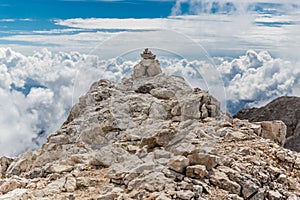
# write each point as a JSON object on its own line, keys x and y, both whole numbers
{"x": 257, "y": 78}
{"x": 35, "y": 96}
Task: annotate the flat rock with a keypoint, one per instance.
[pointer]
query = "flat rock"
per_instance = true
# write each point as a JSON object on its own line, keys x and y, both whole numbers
{"x": 221, "y": 180}
{"x": 208, "y": 160}
{"x": 179, "y": 163}
{"x": 196, "y": 171}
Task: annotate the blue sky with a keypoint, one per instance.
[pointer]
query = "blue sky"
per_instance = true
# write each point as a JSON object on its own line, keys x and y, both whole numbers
{"x": 47, "y": 9}
{"x": 17, "y": 16}
{"x": 21, "y": 17}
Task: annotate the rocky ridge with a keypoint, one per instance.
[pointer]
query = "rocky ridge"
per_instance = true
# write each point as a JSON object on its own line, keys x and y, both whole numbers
{"x": 284, "y": 108}
{"x": 154, "y": 137}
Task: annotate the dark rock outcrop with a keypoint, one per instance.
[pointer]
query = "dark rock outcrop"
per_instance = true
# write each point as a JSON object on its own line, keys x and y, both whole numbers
{"x": 286, "y": 109}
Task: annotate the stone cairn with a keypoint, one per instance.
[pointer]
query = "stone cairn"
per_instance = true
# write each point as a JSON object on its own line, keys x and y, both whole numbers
{"x": 147, "y": 67}
{"x": 147, "y": 54}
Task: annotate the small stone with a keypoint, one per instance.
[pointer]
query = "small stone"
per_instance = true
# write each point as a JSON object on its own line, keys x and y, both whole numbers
{"x": 293, "y": 183}
{"x": 185, "y": 194}
{"x": 15, "y": 194}
{"x": 70, "y": 184}
{"x": 259, "y": 195}
{"x": 293, "y": 197}
{"x": 274, "y": 195}
{"x": 235, "y": 197}
{"x": 183, "y": 185}
{"x": 208, "y": 160}
{"x": 152, "y": 182}
{"x": 40, "y": 185}
{"x": 58, "y": 139}
{"x": 281, "y": 155}
{"x": 197, "y": 189}
{"x": 55, "y": 187}
{"x": 38, "y": 193}
{"x": 204, "y": 111}
{"x": 154, "y": 69}
{"x": 196, "y": 171}
{"x": 163, "y": 196}
{"x": 82, "y": 182}
{"x": 237, "y": 135}
{"x": 162, "y": 93}
{"x": 57, "y": 168}
{"x": 274, "y": 170}
{"x": 176, "y": 110}
{"x": 178, "y": 163}
{"x": 4, "y": 164}
{"x": 11, "y": 184}
{"x": 249, "y": 188}
{"x": 282, "y": 178}
{"x": 221, "y": 180}
{"x": 161, "y": 154}
{"x": 132, "y": 148}
{"x": 183, "y": 149}
{"x": 190, "y": 109}
{"x": 159, "y": 139}
{"x": 108, "y": 196}
{"x": 256, "y": 128}
{"x": 297, "y": 163}
{"x": 158, "y": 110}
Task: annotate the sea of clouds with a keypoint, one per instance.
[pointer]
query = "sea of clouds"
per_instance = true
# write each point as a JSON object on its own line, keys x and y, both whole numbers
{"x": 38, "y": 91}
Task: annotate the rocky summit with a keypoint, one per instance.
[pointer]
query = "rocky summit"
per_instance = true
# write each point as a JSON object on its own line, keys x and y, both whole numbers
{"x": 152, "y": 136}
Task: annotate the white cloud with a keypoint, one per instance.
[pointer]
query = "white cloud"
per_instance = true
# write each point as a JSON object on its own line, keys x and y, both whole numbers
{"x": 43, "y": 76}
{"x": 112, "y": 23}
{"x": 7, "y": 20}
{"x": 225, "y": 6}
{"x": 257, "y": 77}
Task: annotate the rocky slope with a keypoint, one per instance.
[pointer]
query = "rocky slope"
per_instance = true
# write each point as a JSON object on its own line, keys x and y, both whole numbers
{"x": 153, "y": 137}
{"x": 284, "y": 108}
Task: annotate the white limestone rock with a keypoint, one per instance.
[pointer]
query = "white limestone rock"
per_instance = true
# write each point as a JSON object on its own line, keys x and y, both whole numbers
{"x": 208, "y": 160}
{"x": 146, "y": 67}
{"x": 196, "y": 171}
{"x": 221, "y": 180}
{"x": 179, "y": 163}
{"x": 273, "y": 130}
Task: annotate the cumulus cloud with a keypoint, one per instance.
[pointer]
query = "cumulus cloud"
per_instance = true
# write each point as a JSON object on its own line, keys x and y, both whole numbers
{"x": 197, "y": 7}
{"x": 257, "y": 78}
{"x": 31, "y": 98}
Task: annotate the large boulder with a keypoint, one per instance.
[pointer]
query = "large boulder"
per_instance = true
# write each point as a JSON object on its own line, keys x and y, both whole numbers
{"x": 273, "y": 130}
{"x": 146, "y": 68}
{"x": 284, "y": 108}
